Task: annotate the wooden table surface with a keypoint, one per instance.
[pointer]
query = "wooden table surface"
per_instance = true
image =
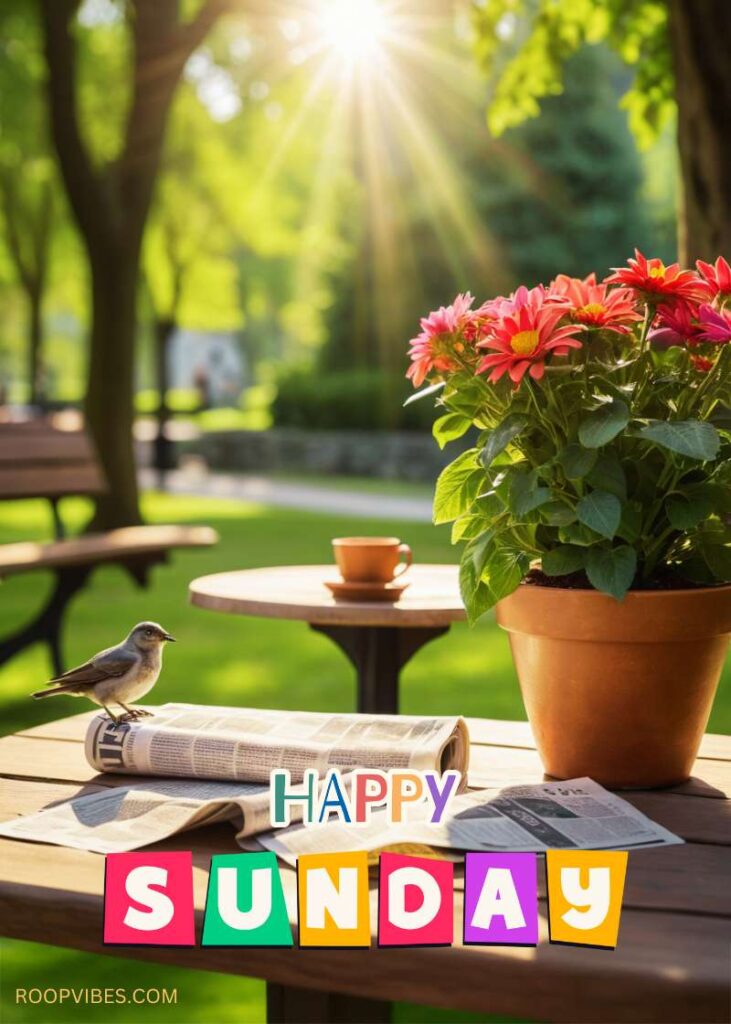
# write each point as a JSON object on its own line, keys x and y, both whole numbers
{"x": 671, "y": 964}
{"x": 299, "y": 592}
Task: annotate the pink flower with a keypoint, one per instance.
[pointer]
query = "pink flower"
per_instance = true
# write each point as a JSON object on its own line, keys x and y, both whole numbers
{"x": 654, "y": 282}
{"x": 717, "y": 277}
{"x": 715, "y": 325}
{"x": 440, "y": 338}
{"x": 525, "y": 335}
{"x": 595, "y": 305}
{"x": 676, "y": 324}
{"x": 532, "y": 297}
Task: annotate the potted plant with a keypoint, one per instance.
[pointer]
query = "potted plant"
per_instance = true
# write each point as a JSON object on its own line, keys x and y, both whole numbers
{"x": 595, "y": 504}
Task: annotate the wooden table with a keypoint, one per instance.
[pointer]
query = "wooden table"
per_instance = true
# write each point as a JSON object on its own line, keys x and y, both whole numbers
{"x": 378, "y": 638}
{"x": 671, "y": 963}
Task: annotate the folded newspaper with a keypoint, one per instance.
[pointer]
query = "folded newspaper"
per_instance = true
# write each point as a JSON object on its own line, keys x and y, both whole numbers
{"x": 222, "y": 758}
{"x": 209, "y": 742}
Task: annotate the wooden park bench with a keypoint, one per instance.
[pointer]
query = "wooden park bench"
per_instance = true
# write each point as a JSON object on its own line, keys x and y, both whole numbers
{"x": 37, "y": 460}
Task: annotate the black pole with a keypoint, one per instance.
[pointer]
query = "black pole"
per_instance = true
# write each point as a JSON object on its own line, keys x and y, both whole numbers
{"x": 164, "y": 448}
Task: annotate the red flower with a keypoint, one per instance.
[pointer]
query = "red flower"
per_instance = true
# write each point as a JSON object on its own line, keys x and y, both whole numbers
{"x": 702, "y": 364}
{"x": 595, "y": 305}
{"x": 715, "y": 325}
{"x": 717, "y": 277}
{"x": 525, "y": 335}
{"x": 653, "y": 281}
{"x": 440, "y": 338}
{"x": 676, "y": 324}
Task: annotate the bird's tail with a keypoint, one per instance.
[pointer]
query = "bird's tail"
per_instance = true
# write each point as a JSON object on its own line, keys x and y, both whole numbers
{"x": 55, "y": 690}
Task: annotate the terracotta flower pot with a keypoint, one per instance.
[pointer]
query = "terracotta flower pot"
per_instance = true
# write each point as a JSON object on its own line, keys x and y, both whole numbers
{"x": 620, "y": 692}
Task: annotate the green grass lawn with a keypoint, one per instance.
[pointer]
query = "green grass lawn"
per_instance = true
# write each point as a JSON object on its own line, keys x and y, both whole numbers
{"x": 228, "y": 660}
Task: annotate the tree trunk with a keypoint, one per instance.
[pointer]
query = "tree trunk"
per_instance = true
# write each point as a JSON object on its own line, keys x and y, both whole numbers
{"x": 37, "y": 394}
{"x": 111, "y": 207}
{"x": 700, "y": 32}
{"x": 110, "y": 394}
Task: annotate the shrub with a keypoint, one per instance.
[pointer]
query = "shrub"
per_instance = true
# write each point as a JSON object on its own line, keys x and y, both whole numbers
{"x": 348, "y": 400}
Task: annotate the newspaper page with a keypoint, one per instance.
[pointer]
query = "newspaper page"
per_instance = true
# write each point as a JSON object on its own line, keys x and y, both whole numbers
{"x": 208, "y": 742}
{"x": 123, "y": 818}
{"x": 575, "y": 814}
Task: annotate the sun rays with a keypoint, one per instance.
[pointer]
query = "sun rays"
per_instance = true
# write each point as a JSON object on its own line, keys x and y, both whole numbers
{"x": 382, "y": 86}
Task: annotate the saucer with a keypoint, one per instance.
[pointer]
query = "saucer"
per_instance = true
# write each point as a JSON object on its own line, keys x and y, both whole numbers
{"x": 347, "y": 591}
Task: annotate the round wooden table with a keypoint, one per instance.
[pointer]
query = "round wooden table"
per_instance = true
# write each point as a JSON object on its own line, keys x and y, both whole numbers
{"x": 378, "y": 638}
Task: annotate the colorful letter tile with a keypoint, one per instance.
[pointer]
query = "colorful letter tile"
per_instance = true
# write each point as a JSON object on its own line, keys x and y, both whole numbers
{"x": 334, "y": 908}
{"x": 245, "y": 904}
{"x": 585, "y": 890}
{"x": 415, "y": 905}
{"x": 500, "y": 899}
{"x": 148, "y": 899}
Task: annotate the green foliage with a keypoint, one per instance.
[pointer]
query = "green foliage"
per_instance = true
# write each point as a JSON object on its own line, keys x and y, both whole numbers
{"x": 603, "y": 425}
{"x": 348, "y": 400}
{"x": 564, "y": 191}
{"x": 693, "y": 438}
{"x": 545, "y": 34}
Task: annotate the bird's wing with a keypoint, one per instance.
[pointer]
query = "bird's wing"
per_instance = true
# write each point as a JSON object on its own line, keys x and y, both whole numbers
{"x": 108, "y": 664}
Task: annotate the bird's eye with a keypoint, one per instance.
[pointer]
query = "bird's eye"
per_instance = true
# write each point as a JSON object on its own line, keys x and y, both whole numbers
{"x": 149, "y": 632}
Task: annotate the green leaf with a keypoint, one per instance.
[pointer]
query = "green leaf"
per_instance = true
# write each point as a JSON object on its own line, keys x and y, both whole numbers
{"x": 479, "y": 550}
{"x": 488, "y": 505}
{"x": 504, "y": 571}
{"x": 608, "y": 475}
{"x": 457, "y": 487}
{"x": 431, "y": 390}
{"x": 450, "y": 427}
{"x": 577, "y": 533}
{"x": 468, "y": 578}
{"x": 612, "y": 570}
{"x": 499, "y": 438}
{"x": 695, "y": 439}
{"x": 686, "y": 511}
{"x": 721, "y": 416}
{"x": 576, "y": 461}
{"x": 563, "y": 560}
{"x": 487, "y": 573}
{"x": 467, "y": 527}
{"x": 601, "y": 512}
{"x": 718, "y": 559}
{"x": 630, "y": 526}
{"x": 478, "y": 602}
{"x": 555, "y": 513}
{"x": 526, "y": 495}
{"x": 601, "y": 426}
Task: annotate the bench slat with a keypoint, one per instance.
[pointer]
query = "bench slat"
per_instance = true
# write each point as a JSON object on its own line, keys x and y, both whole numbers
{"x": 37, "y": 460}
{"x": 95, "y": 548}
{"x": 52, "y": 480}
{"x": 52, "y": 446}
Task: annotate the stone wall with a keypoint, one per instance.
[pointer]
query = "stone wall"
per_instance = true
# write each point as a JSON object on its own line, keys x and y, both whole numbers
{"x": 389, "y": 455}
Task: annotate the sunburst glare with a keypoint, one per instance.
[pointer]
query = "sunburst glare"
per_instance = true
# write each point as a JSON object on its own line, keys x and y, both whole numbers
{"x": 354, "y": 29}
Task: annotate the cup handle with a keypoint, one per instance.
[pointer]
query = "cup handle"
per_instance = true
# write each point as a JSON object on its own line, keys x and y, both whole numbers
{"x": 404, "y": 550}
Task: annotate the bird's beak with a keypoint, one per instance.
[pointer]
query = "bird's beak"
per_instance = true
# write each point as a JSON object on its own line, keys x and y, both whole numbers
{"x": 170, "y": 638}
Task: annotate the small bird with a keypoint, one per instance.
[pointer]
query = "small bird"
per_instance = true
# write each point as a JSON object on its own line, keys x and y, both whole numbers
{"x": 117, "y": 675}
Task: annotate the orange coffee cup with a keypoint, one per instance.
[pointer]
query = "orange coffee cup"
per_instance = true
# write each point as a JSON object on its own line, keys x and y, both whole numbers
{"x": 371, "y": 559}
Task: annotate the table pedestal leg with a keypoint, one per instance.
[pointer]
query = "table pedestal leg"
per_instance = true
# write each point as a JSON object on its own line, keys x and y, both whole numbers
{"x": 289, "y": 1005}
{"x": 378, "y": 654}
